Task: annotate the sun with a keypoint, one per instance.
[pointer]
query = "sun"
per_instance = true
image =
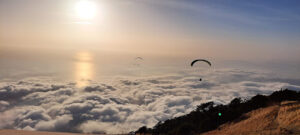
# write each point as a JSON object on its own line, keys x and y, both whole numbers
{"x": 85, "y": 9}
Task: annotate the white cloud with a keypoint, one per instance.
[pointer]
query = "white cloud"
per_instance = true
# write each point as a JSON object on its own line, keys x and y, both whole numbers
{"x": 129, "y": 103}
{"x": 3, "y": 105}
{"x": 95, "y": 127}
{"x": 55, "y": 124}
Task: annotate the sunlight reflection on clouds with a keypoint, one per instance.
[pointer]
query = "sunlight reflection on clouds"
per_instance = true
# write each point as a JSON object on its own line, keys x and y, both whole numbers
{"x": 84, "y": 68}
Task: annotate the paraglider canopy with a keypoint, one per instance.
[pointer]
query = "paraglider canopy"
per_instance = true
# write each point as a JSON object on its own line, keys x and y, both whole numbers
{"x": 200, "y": 60}
{"x": 139, "y": 58}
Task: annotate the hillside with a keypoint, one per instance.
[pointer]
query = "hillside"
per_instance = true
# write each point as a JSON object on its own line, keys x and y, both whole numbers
{"x": 274, "y": 120}
{"x": 277, "y": 113}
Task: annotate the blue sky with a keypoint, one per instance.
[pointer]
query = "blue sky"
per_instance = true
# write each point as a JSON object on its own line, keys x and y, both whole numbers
{"x": 268, "y": 18}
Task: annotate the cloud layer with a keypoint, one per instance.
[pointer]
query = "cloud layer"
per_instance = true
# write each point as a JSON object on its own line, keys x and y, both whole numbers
{"x": 126, "y": 104}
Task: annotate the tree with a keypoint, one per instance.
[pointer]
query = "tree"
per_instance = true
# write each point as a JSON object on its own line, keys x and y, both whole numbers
{"x": 142, "y": 129}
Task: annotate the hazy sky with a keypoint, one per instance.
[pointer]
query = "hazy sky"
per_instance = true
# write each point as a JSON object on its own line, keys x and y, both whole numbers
{"x": 48, "y": 35}
{"x": 239, "y": 30}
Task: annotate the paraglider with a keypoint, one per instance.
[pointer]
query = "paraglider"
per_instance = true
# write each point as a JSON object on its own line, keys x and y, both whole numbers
{"x": 203, "y": 60}
{"x": 139, "y": 58}
{"x": 138, "y": 61}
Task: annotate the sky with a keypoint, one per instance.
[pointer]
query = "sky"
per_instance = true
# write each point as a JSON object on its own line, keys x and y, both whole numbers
{"x": 72, "y": 63}
{"x": 167, "y": 28}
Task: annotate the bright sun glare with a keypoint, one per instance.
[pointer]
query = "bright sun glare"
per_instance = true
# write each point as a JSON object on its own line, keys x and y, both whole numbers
{"x": 85, "y": 9}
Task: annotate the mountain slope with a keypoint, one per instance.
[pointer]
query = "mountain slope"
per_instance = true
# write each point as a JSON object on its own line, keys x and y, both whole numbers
{"x": 242, "y": 115}
{"x": 273, "y": 120}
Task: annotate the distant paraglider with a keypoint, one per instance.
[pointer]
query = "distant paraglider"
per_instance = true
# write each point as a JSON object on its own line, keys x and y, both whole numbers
{"x": 138, "y": 61}
{"x": 139, "y": 58}
{"x": 203, "y": 60}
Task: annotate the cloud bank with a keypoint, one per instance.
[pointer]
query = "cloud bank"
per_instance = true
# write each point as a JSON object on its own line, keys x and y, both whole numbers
{"x": 126, "y": 104}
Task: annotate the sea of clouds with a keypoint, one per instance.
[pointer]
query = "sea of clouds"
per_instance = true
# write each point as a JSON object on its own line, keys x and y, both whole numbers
{"x": 126, "y": 103}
